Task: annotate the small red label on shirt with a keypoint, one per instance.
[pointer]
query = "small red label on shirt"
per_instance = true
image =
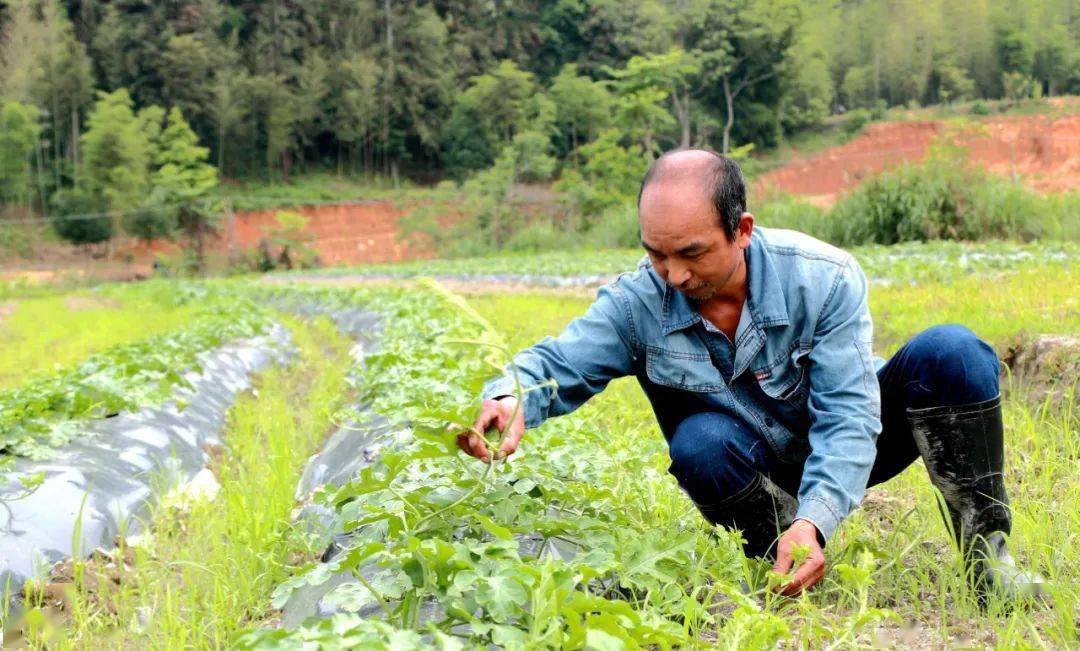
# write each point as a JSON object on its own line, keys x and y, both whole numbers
{"x": 762, "y": 375}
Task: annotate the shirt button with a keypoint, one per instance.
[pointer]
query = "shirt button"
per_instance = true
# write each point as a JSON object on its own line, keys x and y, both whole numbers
{"x": 769, "y": 422}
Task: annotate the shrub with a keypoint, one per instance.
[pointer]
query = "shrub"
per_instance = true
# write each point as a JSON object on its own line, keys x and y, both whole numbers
{"x": 879, "y": 110}
{"x": 72, "y": 223}
{"x": 786, "y": 211}
{"x": 855, "y": 121}
{"x": 616, "y": 227}
{"x": 13, "y": 241}
{"x": 609, "y": 177}
{"x": 941, "y": 199}
{"x": 541, "y": 235}
{"x": 289, "y": 244}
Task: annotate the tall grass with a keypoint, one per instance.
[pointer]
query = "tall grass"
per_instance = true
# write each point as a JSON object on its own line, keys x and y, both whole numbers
{"x": 932, "y": 200}
{"x": 939, "y": 199}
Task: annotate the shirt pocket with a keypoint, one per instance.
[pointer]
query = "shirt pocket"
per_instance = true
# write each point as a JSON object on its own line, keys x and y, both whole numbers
{"x": 786, "y": 378}
{"x": 679, "y": 370}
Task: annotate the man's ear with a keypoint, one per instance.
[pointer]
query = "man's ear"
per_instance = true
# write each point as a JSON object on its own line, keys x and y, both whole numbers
{"x": 744, "y": 231}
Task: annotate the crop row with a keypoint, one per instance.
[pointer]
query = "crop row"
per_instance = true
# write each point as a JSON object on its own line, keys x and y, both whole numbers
{"x": 47, "y": 410}
{"x": 579, "y": 540}
{"x": 909, "y": 262}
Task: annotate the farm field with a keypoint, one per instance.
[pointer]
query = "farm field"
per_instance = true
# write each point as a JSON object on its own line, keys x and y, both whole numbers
{"x": 59, "y": 330}
{"x": 582, "y": 539}
{"x": 911, "y": 262}
{"x": 261, "y": 262}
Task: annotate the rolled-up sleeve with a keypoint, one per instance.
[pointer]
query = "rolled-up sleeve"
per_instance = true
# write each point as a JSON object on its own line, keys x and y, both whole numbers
{"x": 844, "y": 405}
{"x": 593, "y": 350}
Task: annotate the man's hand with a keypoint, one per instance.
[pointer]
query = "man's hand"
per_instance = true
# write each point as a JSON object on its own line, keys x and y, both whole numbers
{"x": 801, "y": 532}
{"x": 494, "y": 413}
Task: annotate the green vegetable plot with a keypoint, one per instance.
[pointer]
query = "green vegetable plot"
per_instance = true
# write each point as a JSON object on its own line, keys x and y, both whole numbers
{"x": 582, "y": 539}
{"x": 910, "y": 262}
{"x": 623, "y": 560}
{"x": 46, "y": 411}
{"x": 42, "y": 333}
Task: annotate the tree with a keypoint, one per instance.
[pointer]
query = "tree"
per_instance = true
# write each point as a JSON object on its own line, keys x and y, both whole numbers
{"x": 227, "y": 108}
{"x": 18, "y": 136}
{"x": 582, "y": 107}
{"x": 416, "y": 81}
{"x": 41, "y": 63}
{"x": 486, "y": 116}
{"x": 532, "y": 142}
{"x": 740, "y": 46}
{"x": 117, "y": 150}
{"x": 281, "y": 125}
{"x": 644, "y": 115}
{"x": 354, "y": 83}
{"x": 21, "y": 40}
{"x": 646, "y": 79}
{"x": 1055, "y": 58}
{"x": 617, "y": 30}
{"x": 183, "y": 181}
{"x": 185, "y": 66}
{"x": 310, "y": 112}
{"x": 808, "y": 88}
{"x": 227, "y": 105}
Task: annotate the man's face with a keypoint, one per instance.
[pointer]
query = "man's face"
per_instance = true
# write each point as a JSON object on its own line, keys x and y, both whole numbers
{"x": 681, "y": 232}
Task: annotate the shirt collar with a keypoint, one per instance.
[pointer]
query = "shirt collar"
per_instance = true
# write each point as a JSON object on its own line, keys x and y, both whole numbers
{"x": 765, "y": 302}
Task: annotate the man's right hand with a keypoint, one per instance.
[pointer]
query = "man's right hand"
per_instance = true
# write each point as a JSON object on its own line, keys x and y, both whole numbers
{"x": 494, "y": 413}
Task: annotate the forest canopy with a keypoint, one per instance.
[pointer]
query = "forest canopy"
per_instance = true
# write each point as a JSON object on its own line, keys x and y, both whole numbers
{"x": 437, "y": 89}
{"x": 124, "y": 114}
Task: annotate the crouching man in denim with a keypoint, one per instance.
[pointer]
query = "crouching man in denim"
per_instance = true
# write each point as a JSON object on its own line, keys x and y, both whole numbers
{"x": 754, "y": 347}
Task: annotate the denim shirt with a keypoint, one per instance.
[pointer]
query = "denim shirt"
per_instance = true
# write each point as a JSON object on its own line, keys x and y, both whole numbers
{"x": 801, "y": 372}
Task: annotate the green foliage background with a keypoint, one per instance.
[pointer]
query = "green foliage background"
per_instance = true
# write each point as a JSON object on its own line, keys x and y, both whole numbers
{"x": 122, "y": 116}
{"x": 377, "y": 86}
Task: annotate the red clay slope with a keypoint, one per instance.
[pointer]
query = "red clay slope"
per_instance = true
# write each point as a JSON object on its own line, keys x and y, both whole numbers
{"x": 1043, "y": 151}
{"x": 347, "y": 233}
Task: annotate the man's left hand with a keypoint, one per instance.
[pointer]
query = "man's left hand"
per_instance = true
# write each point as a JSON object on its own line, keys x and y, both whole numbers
{"x": 801, "y": 532}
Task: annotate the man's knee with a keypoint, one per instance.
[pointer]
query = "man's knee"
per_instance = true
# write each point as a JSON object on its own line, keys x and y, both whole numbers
{"x": 954, "y": 365}
{"x": 711, "y": 446}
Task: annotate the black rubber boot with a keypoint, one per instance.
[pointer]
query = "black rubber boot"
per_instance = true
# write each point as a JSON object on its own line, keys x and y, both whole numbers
{"x": 762, "y": 511}
{"x": 963, "y": 448}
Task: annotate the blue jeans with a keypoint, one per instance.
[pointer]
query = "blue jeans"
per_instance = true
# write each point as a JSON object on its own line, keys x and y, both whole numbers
{"x": 714, "y": 456}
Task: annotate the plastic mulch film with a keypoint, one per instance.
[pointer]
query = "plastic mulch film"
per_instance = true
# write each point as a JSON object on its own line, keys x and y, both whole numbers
{"x": 103, "y": 484}
{"x": 354, "y": 446}
{"x": 541, "y": 280}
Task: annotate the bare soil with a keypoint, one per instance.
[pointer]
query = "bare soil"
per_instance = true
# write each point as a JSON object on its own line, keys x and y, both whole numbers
{"x": 1042, "y": 150}
{"x": 348, "y": 233}
{"x": 84, "y": 303}
{"x": 1044, "y": 367}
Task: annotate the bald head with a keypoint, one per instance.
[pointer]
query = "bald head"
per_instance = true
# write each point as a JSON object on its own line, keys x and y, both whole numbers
{"x": 716, "y": 177}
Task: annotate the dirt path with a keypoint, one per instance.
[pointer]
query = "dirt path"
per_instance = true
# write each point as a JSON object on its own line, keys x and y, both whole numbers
{"x": 457, "y": 285}
{"x": 84, "y": 303}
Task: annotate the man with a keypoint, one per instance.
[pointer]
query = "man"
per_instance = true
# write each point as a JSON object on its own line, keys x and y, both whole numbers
{"x": 754, "y": 347}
